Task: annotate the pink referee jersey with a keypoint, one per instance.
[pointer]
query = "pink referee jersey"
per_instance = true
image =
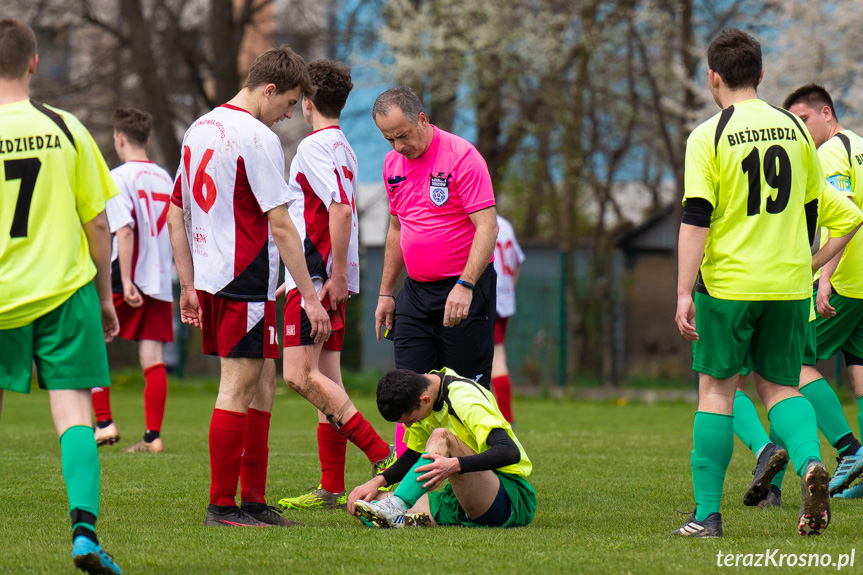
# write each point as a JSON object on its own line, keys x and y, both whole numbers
{"x": 433, "y": 196}
{"x": 508, "y": 256}
{"x": 232, "y": 173}
{"x": 324, "y": 171}
{"x": 142, "y": 204}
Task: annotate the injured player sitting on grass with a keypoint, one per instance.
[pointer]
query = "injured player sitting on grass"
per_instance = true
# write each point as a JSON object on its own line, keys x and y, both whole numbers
{"x": 454, "y": 430}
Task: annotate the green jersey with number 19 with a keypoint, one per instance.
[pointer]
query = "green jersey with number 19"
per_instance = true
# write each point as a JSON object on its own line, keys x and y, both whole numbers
{"x": 842, "y": 161}
{"x": 757, "y": 166}
{"x": 53, "y": 179}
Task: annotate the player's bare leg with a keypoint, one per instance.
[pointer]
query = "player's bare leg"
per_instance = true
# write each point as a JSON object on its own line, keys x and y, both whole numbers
{"x": 476, "y": 492}
{"x": 151, "y": 357}
{"x": 302, "y": 374}
{"x": 329, "y": 492}
{"x": 238, "y": 382}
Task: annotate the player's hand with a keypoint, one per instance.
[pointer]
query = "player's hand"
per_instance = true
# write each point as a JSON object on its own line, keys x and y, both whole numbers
{"x": 280, "y": 291}
{"x": 319, "y": 320}
{"x": 110, "y": 323}
{"x": 685, "y": 317}
{"x": 190, "y": 308}
{"x": 457, "y": 305}
{"x": 384, "y": 314}
{"x": 365, "y": 492}
{"x": 438, "y": 470}
{"x": 337, "y": 288}
{"x": 132, "y": 296}
{"x": 822, "y": 300}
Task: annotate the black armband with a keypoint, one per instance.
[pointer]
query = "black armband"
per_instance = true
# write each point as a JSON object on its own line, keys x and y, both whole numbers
{"x": 811, "y": 220}
{"x": 697, "y": 212}
{"x": 502, "y": 451}
{"x": 397, "y": 471}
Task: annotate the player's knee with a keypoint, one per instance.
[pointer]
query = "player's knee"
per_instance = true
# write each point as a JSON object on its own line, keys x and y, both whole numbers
{"x": 297, "y": 376}
{"x": 441, "y": 441}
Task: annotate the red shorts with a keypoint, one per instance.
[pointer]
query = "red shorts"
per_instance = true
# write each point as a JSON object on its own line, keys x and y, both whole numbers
{"x": 232, "y": 328}
{"x": 500, "y": 325}
{"x": 152, "y": 320}
{"x": 298, "y": 329}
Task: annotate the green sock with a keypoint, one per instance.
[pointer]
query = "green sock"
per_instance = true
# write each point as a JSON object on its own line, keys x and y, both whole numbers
{"x": 81, "y": 468}
{"x": 410, "y": 490}
{"x": 747, "y": 426}
{"x": 777, "y": 479}
{"x": 712, "y": 445}
{"x": 828, "y": 410}
{"x": 794, "y": 421}
{"x": 860, "y": 413}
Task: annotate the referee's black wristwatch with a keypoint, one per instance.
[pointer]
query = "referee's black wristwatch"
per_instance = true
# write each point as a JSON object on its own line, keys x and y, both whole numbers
{"x": 466, "y": 284}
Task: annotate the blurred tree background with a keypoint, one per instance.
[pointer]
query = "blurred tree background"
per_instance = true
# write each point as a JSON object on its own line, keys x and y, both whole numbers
{"x": 580, "y": 107}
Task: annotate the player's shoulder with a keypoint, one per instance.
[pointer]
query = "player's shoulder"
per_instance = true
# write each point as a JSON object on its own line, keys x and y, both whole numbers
{"x": 66, "y": 121}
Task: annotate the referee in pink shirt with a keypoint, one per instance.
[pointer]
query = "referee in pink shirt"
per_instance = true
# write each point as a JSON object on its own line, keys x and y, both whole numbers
{"x": 443, "y": 226}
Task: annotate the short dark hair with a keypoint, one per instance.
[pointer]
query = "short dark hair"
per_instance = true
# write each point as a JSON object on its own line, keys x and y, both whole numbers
{"x": 813, "y": 95}
{"x": 736, "y": 57}
{"x": 332, "y": 84}
{"x": 17, "y": 48}
{"x": 401, "y": 97}
{"x": 135, "y": 124}
{"x": 399, "y": 393}
{"x": 280, "y": 66}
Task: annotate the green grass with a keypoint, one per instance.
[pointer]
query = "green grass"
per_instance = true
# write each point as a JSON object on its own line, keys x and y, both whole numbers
{"x": 608, "y": 479}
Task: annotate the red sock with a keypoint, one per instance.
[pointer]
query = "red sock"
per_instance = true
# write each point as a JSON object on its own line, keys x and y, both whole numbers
{"x": 256, "y": 453}
{"x": 226, "y": 449}
{"x": 502, "y": 388}
{"x": 101, "y": 397}
{"x": 155, "y": 392}
{"x": 331, "y": 452}
{"x": 361, "y": 433}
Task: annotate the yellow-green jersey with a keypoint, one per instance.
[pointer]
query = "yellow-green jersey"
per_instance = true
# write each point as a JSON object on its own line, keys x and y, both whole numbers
{"x": 758, "y": 167}
{"x": 470, "y": 411}
{"x": 838, "y": 216}
{"x": 842, "y": 163}
{"x": 53, "y": 179}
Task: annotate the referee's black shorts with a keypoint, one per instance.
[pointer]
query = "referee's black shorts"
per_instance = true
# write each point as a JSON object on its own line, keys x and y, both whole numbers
{"x": 422, "y": 343}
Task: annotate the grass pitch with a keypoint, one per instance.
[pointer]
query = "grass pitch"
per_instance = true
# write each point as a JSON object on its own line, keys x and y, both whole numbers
{"x": 608, "y": 477}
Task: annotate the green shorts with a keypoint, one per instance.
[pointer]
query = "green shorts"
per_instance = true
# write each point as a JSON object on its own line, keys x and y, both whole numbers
{"x": 844, "y": 330}
{"x": 811, "y": 344}
{"x": 446, "y": 510}
{"x": 767, "y": 337}
{"x": 66, "y": 343}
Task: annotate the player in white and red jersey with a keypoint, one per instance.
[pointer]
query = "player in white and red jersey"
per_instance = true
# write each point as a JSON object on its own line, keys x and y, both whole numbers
{"x": 323, "y": 181}
{"x": 140, "y": 272}
{"x": 508, "y": 257}
{"x": 229, "y": 224}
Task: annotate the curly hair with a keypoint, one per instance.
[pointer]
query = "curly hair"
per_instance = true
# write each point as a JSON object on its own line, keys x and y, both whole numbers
{"x": 332, "y": 84}
{"x": 135, "y": 124}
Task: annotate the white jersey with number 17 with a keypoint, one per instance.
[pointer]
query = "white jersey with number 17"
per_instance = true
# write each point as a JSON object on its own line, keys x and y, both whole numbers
{"x": 142, "y": 204}
{"x": 231, "y": 175}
